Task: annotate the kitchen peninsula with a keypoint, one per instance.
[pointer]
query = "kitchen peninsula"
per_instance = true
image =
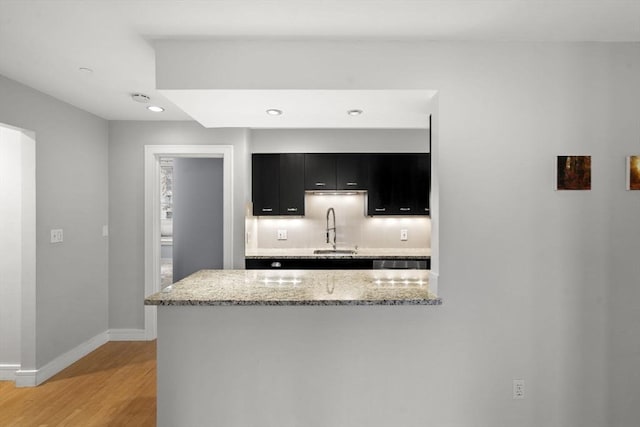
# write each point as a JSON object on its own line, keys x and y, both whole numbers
{"x": 219, "y": 335}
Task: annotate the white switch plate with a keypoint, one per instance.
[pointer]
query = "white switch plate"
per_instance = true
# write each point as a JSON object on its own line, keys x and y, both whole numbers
{"x": 105, "y": 230}
{"x": 404, "y": 234}
{"x": 518, "y": 389}
{"x": 56, "y": 235}
{"x": 282, "y": 234}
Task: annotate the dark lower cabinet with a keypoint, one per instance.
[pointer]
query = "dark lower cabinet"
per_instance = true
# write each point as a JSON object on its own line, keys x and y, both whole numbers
{"x": 277, "y": 184}
{"x": 309, "y": 264}
{"x": 327, "y": 264}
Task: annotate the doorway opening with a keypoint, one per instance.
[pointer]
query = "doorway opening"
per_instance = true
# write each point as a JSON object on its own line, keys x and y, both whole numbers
{"x": 17, "y": 255}
{"x": 191, "y": 212}
{"x": 154, "y": 163}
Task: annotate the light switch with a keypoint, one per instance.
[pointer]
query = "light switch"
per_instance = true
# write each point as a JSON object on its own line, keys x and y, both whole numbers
{"x": 404, "y": 234}
{"x": 282, "y": 234}
{"x": 105, "y": 231}
{"x": 56, "y": 235}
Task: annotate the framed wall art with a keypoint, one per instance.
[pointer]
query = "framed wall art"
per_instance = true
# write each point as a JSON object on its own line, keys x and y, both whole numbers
{"x": 573, "y": 173}
{"x": 633, "y": 172}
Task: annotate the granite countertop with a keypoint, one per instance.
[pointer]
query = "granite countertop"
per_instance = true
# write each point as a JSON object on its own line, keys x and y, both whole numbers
{"x": 299, "y": 287}
{"x": 361, "y": 253}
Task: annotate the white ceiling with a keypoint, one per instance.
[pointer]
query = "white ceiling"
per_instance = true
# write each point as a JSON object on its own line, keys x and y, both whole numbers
{"x": 43, "y": 43}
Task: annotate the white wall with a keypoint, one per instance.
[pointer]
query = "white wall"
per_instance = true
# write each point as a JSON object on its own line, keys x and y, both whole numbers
{"x": 71, "y": 193}
{"x": 537, "y": 284}
{"x": 10, "y": 253}
{"x": 126, "y": 204}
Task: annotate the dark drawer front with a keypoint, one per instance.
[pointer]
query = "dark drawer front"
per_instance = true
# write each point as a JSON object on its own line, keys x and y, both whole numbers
{"x": 308, "y": 264}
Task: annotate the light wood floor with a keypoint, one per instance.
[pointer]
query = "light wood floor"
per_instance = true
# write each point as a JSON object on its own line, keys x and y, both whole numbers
{"x": 112, "y": 386}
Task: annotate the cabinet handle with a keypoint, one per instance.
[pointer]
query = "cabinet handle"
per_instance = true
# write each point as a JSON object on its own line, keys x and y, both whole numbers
{"x": 380, "y": 209}
{"x": 320, "y": 184}
{"x": 352, "y": 184}
{"x": 267, "y": 209}
{"x": 405, "y": 209}
{"x": 276, "y": 264}
{"x": 292, "y": 209}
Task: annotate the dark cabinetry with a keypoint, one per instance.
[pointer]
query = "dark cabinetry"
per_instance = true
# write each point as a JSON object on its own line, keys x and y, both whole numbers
{"x": 277, "y": 183}
{"x": 336, "y": 171}
{"x": 333, "y": 263}
{"x": 399, "y": 184}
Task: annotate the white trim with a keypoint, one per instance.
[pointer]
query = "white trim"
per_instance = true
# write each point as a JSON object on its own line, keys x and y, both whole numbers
{"x": 433, "y": 282}
{"x": 127, "y": 335}
{"x": 8, "y": 372}
{"x": 152, "y": 155}
{"x": 30, "y": 378}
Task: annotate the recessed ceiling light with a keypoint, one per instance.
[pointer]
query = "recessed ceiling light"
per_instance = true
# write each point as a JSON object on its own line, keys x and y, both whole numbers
{"x": 140, "y": 97}
{"x": 85, "y": 70}
{"x": 155, "y": 108}
{"x": 354, "y": 112}
{"x": 274, "y": 112}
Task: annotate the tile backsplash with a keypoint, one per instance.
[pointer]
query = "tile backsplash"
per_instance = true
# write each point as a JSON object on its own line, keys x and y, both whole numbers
{"x": 353, "y": 227}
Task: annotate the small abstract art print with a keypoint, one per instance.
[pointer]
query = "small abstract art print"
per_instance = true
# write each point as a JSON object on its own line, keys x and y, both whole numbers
{"x": 633, "y": 173}
{"x": 573, "y": 173}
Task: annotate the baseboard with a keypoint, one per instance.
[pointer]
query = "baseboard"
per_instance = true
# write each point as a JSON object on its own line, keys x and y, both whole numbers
{"x": 8, "y": 372}
{"x": 36, "y": 377}
{"x": 127, "y": 335}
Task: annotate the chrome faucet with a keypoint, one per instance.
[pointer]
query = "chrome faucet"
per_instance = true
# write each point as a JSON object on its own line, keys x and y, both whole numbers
{"x": 333, "y": 212}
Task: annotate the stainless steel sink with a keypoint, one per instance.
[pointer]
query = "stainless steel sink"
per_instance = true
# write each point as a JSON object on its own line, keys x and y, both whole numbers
{"x": 334, "y": 252}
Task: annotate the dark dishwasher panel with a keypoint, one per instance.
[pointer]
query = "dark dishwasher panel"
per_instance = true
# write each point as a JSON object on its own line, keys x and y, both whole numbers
{"x": 400, "y": 264}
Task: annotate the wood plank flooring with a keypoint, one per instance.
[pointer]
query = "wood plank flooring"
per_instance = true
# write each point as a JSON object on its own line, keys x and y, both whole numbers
{"x": 113, "y": 386}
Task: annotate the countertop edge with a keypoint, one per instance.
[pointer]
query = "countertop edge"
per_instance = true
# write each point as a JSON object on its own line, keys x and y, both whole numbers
{"x": 433, "y": 301}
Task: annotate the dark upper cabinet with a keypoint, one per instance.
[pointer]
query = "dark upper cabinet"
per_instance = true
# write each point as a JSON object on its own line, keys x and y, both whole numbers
{"x": 399, "y": 184}
{"x": 351, "y": 171}
{"x": 320, "y": 171}
{"x": 335, "y": 171}
{"x": 380, "y": 185}
{"x": 277, "y": 184}
{"x": 422, "y": 191}
{"x": 265, "y": 184}
{"x": 292, "y": 184}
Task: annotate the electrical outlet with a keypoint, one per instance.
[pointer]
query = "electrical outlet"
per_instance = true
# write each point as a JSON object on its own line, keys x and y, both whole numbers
{"x": 518, "y": 389}
{"x": 282, "y": 234}
{"x": 404, "y": 234}
{"x": 56, "y": 236}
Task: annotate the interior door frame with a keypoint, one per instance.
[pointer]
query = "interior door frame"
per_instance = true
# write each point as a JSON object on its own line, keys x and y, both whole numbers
{"x": 152, "y": 155}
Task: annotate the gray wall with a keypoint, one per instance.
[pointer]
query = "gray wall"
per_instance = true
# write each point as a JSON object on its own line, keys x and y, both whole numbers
{"x": 126, "y": 204}
{"x": 197, "y": 215}
{"x": 71, "y": 193}
{"x": 537, "y": 284}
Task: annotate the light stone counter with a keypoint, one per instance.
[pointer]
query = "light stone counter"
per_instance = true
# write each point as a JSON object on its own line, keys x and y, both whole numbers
{"x": 299, "y": 287}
